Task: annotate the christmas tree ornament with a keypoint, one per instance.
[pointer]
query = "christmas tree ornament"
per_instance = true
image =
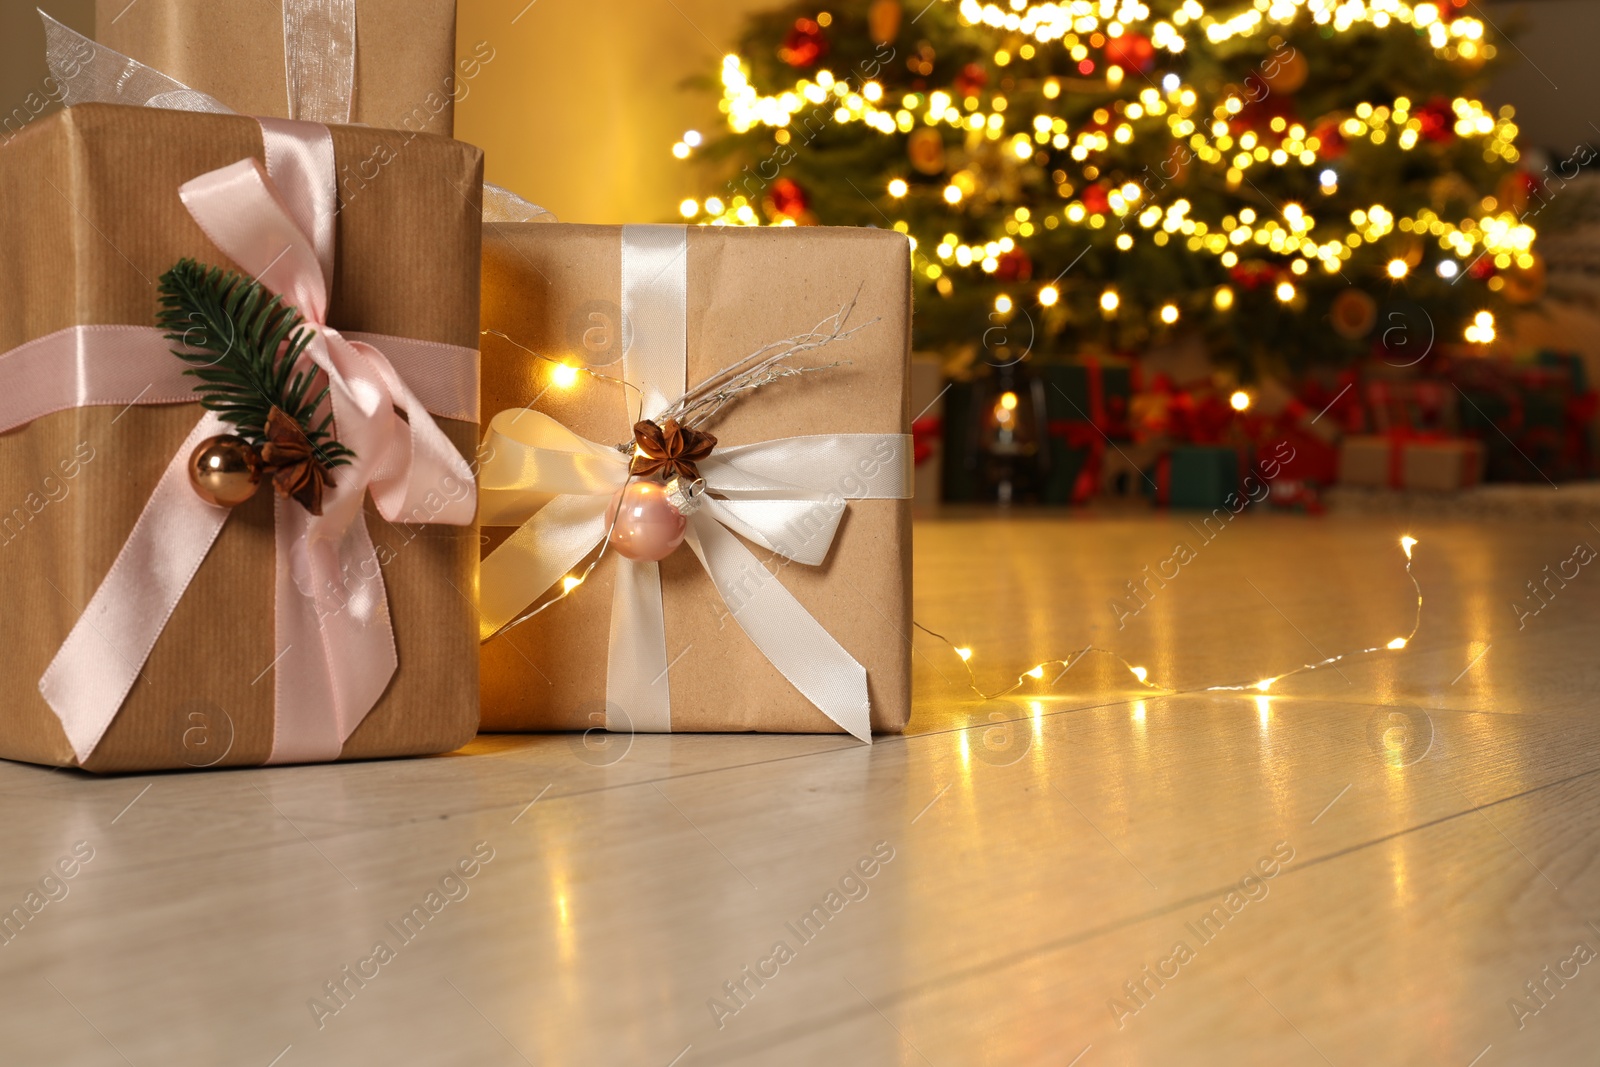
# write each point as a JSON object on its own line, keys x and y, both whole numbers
{"x": 644, "y": 524}
{"x": 787, "y": 199}
{"x": 1354, "y": 314}
{"x": 1438, "y": 120}
{"x": 971, "y": 80}
{"x": 1525, "y": 285}
{"x": 925, "y": 149}
{"x": 883, "y": 21}
{"x": 804, "y": 45}
{"x": 920, "y": 62}
{"x": 1331, "y": 144}
{"x": 1096, "y": 201}
{"x": 1014, "y": 266}
{"x": 225, "y": 470}
{"x": 1132, "y": 52}
{"x": 1286, "y": 72}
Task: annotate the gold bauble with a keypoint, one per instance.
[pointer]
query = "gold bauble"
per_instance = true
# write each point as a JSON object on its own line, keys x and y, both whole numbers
{"x": 225, "y": 471}
{"x": 1285, "y": 73}
{"x": 1525, "y": 285}
{"x": 1354, "y": 314}
{"x": 883, "y": 21}
{"x": 925, "y": 149}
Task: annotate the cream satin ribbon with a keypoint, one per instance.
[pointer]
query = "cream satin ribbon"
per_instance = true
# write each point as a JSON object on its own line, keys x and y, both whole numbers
{"x": 787, "y": 495}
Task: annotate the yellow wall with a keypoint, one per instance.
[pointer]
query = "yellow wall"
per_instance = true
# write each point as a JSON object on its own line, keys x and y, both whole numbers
{"x": 580, "y": 107}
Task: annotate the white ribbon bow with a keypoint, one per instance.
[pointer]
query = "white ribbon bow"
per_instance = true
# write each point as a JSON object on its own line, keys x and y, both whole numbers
{"x": 787, "y": 495}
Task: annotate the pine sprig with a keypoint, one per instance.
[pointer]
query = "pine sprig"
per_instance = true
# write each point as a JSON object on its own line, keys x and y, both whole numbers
{"x": 243, "y": 344}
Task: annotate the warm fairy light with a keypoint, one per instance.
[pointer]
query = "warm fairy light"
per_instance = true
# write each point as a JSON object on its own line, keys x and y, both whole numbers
{"x": 898, "y": 188}
{"x": 569, "y": 583}
{"x": 1049, "y": 295}
{"x": 680, "y": 150}
{"x": 689, "y": 208}
{"x": 1109, "y": 300}
{"x": 692, "y": 138}
{"x": 1398, "y": 269}
{"x": 1481, "y": 331}
{"x": 1002, "y": 304}
{"x": 713, "y": 206}
{"x": 1285, "y": 291}
{"x": 1169, "y": 313}
{"x": 952, "y": 194}
{"x": 1448, "y": 268}
{"x": 1008, "y": 400}
{"x": 1239, "y": 401}
{"x": 1224, "y": 298}
{"x": 1036, "y": 672}
{"x": 565, "y": 375}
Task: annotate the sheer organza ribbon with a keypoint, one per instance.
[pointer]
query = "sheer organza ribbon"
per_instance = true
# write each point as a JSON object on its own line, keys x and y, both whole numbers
{"x": 786, "y": 495}
{"x": 335, "y": 650}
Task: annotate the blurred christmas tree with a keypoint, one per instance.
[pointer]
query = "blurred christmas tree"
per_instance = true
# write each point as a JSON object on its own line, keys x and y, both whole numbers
{"x": 1292, "y": 181}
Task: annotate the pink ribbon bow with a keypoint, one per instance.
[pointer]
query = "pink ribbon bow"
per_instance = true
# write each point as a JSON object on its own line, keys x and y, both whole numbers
{"x": 335, "y": 649}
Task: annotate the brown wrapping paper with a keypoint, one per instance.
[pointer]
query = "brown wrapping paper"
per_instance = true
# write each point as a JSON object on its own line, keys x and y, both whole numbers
{"x": 233, "y": 50}
{"x": 555, "y": 289}
{"x": 1438, "y": 466}
{"x": 90, "y": 219}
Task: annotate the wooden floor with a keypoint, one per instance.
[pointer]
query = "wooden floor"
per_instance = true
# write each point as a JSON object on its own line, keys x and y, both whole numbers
{"x": 1364, "y": 866}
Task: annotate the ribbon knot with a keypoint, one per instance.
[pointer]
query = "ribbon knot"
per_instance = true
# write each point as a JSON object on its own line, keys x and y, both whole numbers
{"x": 669, "y": 448}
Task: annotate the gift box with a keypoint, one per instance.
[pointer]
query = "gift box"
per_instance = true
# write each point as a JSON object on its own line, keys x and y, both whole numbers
{"x": 787, "y": 608}
{"x": 1398, "y": 462}
{"x": 144, "y": 644}
{"x": 927, "y": 428}
{"x": 388, "y": 63}
{"x": 1088, "y": 404}
{"x": 1199, "y": 477}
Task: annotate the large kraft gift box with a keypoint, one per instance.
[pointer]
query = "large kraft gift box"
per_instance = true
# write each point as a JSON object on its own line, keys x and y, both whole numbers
{"x": 90, "y": 219}
{"x": 554, "y": 288}
{"x": 234, "y": 50}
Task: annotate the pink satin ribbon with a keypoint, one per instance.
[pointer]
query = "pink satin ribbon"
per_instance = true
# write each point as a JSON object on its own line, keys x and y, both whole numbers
{"x": 334, "y": 649}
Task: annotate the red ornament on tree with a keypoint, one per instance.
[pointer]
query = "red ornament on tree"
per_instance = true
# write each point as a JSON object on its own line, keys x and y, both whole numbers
{"x": 1014, "y": 266}
{"x": 1482, "y": 267}
{"x": 1438, "y": 120}
{"x": 1095, "y": 199}
{"x": 804, "y": 45}
{"x": 787, "y": 198}
{"x": 1330, "y": 142}
{"x": 972, "y": 78}
{"x": 1131, "y": 51}
{"x": 1253, "y": 274}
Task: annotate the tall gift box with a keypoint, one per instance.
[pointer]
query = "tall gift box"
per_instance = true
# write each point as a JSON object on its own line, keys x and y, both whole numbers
{"x": 787, "y": 608}
{"x": 389, "y": 63}
{"x": 135, "y": 642}
{"x": 928, "y": 390}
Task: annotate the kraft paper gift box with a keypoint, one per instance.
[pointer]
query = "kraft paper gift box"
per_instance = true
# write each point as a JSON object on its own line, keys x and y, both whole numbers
{"x": 404, "y": 63}
{"x": 1397, "y": 463}
{"x": 90, "y": 216}
{"x": 556, "y": 290}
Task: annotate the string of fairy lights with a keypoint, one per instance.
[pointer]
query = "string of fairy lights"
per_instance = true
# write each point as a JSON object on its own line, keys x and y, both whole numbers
{"x": 1295, "y": 232}
{"x": 1141, "y": 675}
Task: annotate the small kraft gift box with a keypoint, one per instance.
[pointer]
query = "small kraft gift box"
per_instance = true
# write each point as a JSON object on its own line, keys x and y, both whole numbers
{"x": 389, "y": 63}
{"x": 332, "y": 399}
{"x": 699, "y": 462}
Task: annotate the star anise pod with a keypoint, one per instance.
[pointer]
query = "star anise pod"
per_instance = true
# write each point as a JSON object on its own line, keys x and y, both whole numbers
{"x": 669, "y": 447}
{"x": 296, "y": 471}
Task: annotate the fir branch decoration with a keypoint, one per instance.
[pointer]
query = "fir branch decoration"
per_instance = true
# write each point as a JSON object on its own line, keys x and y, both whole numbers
{"x": 242, "y": 344}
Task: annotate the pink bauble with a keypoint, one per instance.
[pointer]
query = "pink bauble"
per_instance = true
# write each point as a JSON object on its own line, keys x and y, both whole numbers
{"x": 644, "y": 524}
